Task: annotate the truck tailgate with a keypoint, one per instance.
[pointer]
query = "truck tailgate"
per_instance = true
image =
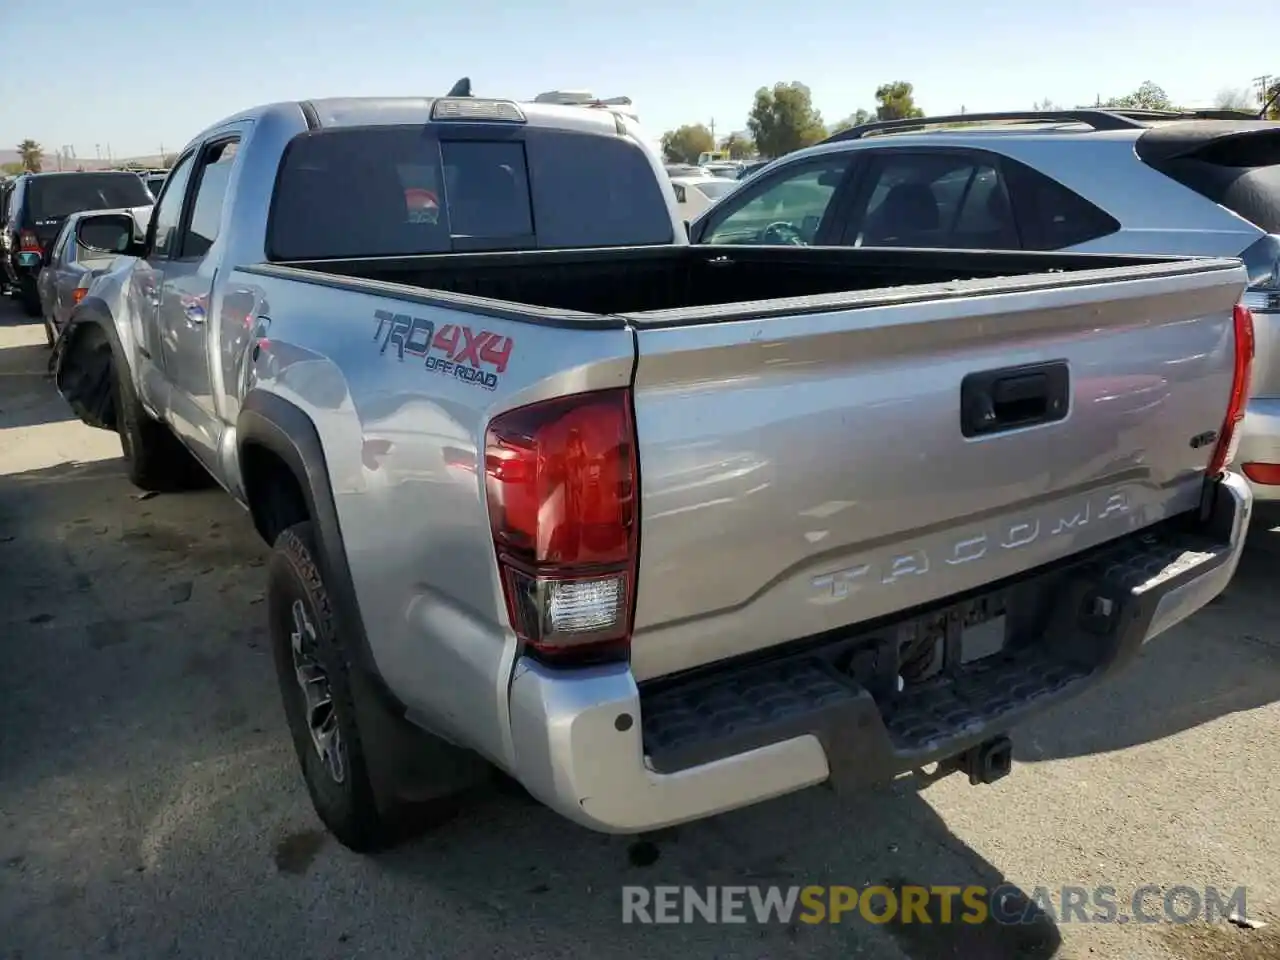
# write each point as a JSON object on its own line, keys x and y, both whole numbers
{"x": 803, "y": 472}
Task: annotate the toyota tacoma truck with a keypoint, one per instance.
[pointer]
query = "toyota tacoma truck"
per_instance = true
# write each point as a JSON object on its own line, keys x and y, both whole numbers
{"x": 656, "y": 530}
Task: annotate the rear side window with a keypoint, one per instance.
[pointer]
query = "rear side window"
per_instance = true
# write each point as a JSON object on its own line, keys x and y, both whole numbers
{"x": 60, "y": 195}
{"x": 1051, "y": 216}
{"x": 1236, "y": 168}
{"x": 399, "y": 191}
{"x": 947, "y": 200}
{"x": 206, "y": 212}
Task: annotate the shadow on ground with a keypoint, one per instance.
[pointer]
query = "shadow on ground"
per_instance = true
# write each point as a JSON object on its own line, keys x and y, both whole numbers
{"x": 144, "y": 761}
{"x": 1224, "y": 660}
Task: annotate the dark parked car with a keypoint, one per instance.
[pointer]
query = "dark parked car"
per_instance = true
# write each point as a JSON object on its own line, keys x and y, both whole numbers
{"x": 38, "y": 206}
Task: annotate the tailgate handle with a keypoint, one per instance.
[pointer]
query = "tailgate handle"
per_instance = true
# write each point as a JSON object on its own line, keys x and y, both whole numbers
{"x": 994, "y": 401}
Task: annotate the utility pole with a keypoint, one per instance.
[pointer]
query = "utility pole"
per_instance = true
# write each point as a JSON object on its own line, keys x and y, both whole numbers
{"x": 713, "y": 129}
{"x": 1264, "y": 87}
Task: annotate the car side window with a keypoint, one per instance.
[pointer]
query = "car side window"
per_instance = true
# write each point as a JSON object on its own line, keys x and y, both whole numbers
{"x": 211, "y": 192}
{"x": 1053, "y": 217}
{"x": 679, "y": 189}
{"x": 168, "y": 213}
{"x": 788, "y": 208}
{"x": 64, "y": 250}
{"x": 946, "y": 200}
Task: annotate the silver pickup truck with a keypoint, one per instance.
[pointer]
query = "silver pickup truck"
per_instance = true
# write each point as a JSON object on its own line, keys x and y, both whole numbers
{"x": 658, "y": 530}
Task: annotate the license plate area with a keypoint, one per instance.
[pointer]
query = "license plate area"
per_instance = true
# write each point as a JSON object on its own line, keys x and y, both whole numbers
{"x": 940, "y": 643}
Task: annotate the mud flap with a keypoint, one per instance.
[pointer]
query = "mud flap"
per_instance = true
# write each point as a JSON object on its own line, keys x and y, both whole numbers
{"x": 406, "y": 763}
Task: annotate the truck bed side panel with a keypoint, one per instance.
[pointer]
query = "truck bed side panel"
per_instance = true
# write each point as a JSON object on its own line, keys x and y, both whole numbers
{"x": 403, "y": 436}
{"x": 803, "y": 473}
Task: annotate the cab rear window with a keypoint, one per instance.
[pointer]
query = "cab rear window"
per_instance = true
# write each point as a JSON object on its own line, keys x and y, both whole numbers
{"x": 401, "y": 191}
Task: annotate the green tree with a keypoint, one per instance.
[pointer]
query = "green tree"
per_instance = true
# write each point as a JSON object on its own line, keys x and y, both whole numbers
{"x": 784, "y": 119}
{"x": 855, "y": 119}
{"x": 739, "y": 147}
{"x": 32, "y": 155}
{"x": 1232, "y": 98}
{"x": 1046, "y": 104}
{"x": 683, "y": 144}
{"x": 11, "y": 169}
{"x": 896, "y": 101}
{"x": 1148, "y": 96}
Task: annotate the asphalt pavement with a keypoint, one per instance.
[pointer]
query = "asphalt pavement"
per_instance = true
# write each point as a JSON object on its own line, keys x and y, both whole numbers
{"x": 150, "y": 806}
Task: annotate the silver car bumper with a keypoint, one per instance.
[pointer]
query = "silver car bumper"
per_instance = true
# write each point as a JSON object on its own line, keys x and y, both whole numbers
{"x": 1260, "y": 442}
{"x": 579, "y": 735}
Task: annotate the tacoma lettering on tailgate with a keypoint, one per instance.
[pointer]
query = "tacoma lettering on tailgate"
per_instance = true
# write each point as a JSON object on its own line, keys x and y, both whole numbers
{"x": 893, "y": 566}
{"x": 453, "y": 350}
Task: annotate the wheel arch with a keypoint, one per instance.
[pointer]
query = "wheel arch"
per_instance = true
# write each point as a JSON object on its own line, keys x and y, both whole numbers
{"x": 82, "y": 361}
{"x": 278, "y": 443}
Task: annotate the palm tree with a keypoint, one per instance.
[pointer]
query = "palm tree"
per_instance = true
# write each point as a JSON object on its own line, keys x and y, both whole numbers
{"x": 32, "y": 155}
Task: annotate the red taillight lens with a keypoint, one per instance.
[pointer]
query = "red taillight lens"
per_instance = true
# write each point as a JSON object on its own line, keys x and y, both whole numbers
{"x": 560, "y": 477}
{"x": 78, "y": 294}
{"x": 28, "y": 242}
{"x": 1229, "y": 438}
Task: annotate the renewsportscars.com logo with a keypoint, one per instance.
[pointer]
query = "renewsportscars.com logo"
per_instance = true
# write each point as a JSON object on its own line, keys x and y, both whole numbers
{"x": 936, "y": 904}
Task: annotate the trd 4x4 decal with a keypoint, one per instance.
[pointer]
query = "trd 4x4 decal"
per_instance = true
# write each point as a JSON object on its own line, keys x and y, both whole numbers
{"x": 453, "y": 350}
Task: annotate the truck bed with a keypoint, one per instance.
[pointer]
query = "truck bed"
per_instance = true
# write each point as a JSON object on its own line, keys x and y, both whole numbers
{"x": 809, "y": 457}
{"x": 669, "y": 285}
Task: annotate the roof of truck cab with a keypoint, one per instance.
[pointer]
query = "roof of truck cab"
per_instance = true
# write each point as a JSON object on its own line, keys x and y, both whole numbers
{"x": 332, "y": 112}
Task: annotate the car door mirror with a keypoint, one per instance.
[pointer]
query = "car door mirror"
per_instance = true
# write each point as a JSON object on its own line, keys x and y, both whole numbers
{"x": 108, "y": 233}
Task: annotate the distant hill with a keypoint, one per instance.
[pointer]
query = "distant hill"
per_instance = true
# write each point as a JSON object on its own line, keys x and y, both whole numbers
{"x": 89, "y": 163}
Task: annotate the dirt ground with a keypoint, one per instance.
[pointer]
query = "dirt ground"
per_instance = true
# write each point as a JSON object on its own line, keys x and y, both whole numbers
{"x": 150, "y": 806}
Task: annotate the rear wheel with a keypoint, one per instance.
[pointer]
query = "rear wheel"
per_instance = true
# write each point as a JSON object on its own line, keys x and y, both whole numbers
{"x": 155, "y": 458}
{"x": 315, "y": 685}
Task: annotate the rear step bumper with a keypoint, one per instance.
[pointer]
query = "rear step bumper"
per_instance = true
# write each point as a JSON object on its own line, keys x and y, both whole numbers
{"x": 595, "y": 747}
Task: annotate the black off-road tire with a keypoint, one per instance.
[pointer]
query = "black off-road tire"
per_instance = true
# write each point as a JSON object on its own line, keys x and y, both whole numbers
{"x": 154, "y": 457}
{"x": 349, "y": 808}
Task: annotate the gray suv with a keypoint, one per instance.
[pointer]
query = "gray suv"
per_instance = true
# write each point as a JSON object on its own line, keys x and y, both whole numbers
{"x": 1146, "y": 182}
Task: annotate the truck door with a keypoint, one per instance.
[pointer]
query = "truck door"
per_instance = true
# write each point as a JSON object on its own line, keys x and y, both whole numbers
{"x": 186, "y": 293}
{"x": 161, "y": 248}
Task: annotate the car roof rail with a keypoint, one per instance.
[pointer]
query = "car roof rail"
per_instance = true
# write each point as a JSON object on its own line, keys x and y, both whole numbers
{"x": 1098, "y": 119}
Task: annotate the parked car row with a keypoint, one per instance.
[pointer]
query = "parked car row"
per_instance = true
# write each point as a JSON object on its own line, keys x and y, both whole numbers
{"x": 459, "y": 357}
{"x": 39, "y": 217}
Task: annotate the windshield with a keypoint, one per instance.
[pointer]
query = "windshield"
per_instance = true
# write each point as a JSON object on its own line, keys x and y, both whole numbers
{"x": 400, "y": 191}
{"x": 58, "y": 196}
{"x": 714, "y": 188}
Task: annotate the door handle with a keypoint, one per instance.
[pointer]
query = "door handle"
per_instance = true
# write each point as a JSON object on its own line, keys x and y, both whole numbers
{"x": 995, "y": 401}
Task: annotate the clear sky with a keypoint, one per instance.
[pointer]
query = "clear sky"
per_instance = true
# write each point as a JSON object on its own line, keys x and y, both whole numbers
{"x": 146, "y": 73}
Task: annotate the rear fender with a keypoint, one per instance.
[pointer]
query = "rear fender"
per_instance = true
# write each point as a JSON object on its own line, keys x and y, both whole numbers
{"x": 82, "y": 363}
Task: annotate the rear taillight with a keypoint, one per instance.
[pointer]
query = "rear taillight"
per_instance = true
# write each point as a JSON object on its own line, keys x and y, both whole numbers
{"x": 28, "y": 242}
{"x": 1229, "y": 438}
{"x": 78, "y": 294}
{"x": 1262, "y": 260}
{"x": 561, "y": 480}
